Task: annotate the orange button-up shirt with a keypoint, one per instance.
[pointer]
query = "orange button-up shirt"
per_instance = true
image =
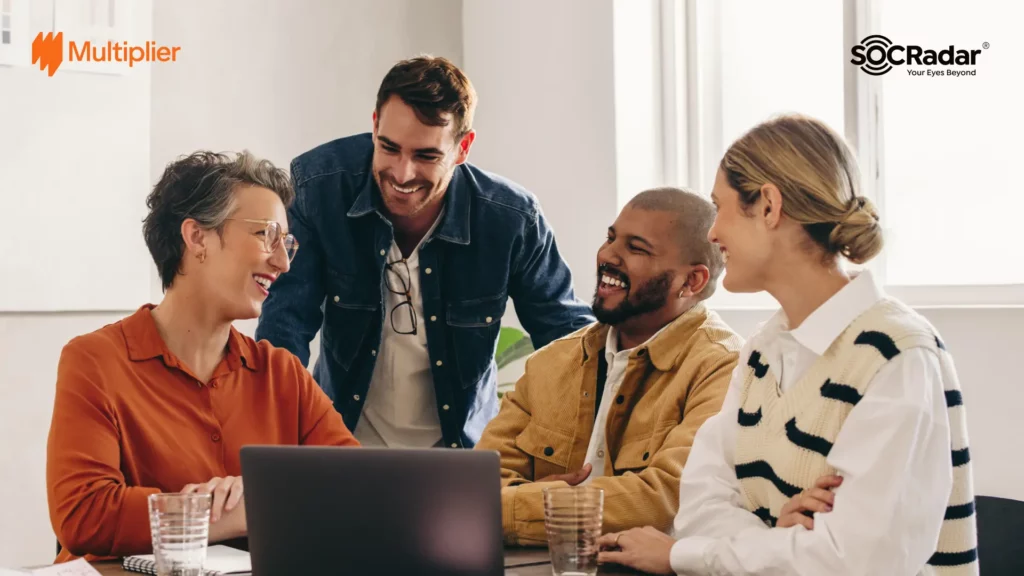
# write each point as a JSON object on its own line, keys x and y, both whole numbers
{"x": 130, "y": 420}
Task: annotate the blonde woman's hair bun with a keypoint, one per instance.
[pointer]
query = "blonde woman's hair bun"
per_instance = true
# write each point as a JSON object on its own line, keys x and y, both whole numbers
{"x": 858, "y": 236}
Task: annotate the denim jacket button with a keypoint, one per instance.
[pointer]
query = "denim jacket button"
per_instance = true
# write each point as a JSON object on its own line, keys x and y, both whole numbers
{"x": 445, "y": 407}
{"x": 336, "y": 298}
{"x": 382, "y": 252}
{"x": 433, "y": 318}
{"x": 439, "y": 362}
{"x": 488, "y": 319}
{"x": 356, "y": 397}
{"x": 428, "y": 270}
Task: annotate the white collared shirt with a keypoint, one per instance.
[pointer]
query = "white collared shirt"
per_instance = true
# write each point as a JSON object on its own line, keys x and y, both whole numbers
{"x": 617, "y": 362}
{"x": 401, "y": 406}
{"x": 892, "y": 451}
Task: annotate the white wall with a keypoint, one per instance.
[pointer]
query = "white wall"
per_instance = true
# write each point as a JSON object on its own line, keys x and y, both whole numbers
{"x": 274, "y": 77}
{"x": 546, "y": 117}
{"x": 74, "y": 148}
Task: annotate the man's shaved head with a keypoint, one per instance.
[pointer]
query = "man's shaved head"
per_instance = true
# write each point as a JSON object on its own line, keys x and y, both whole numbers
{"x": 693, "y": 215}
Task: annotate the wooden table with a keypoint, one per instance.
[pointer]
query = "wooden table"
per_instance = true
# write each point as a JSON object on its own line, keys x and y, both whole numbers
{"x": 518, "y": 562}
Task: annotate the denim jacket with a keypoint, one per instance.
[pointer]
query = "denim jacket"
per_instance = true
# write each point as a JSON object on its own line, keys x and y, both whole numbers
{"x": 492, "y": 243}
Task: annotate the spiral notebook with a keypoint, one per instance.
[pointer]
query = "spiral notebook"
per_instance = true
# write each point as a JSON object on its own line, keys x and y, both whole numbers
{"x": 220, "y": 561}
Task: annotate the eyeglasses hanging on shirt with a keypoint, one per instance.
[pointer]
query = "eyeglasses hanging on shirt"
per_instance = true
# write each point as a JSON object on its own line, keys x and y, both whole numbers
{"x": 398, "y": 280}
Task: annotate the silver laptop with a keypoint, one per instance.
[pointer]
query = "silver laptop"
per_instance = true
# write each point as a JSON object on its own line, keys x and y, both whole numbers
{"x": 321, "y": 510}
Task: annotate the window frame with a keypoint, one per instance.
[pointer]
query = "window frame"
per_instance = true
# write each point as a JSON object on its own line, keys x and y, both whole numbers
{"x": 692, "y": 118}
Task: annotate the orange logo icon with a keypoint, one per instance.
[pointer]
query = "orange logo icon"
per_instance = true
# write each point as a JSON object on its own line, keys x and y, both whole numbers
{"x": 48, "y": 51}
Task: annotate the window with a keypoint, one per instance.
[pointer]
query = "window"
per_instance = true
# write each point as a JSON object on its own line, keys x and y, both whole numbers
{"x": 936, "y": 153}
{"x": 5, "y": 22}
{"x": 768, "y": 65}
{"x": 951, "y": 148}
{"x": 14, "y": 35}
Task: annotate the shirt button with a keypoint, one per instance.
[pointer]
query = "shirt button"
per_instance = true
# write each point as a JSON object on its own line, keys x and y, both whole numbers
{"x": 215, "y": 437}
{"x": 445, "y": 407}
{"x": 356, "y": 397}
{"x": 586, "y": 394}
{"x": 600, "y": 453}
{"x": 488, "y": 319}
{"x": 382, "y": 252}
{"x": 336, "y": 299}
{"x": 433, "y": 318}
{"x": 620, "y": 399}
{"x": 549, "y": 451}
{"x": 438, "y": 362}
{"x": 428, "y": 270}
{"x": 646, "y": 455}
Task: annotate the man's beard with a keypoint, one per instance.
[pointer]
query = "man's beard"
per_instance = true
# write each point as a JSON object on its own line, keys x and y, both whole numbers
{"x": 650, "y": 296}
{"x": 432, "y": 191}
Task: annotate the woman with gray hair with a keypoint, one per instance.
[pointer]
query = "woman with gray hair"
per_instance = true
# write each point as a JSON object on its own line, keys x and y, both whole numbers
{"x": 163, "y": 400}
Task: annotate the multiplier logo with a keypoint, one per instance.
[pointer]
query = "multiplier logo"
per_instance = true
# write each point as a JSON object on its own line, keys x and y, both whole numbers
{"x": 48, "y": 52}
{"x": 877, "y": 55}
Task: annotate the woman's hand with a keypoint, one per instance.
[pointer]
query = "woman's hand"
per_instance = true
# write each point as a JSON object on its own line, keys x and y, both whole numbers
{"x": 227, "y": 511}
{"x": 644, "y": 549}
{"x": 817, "y": 500}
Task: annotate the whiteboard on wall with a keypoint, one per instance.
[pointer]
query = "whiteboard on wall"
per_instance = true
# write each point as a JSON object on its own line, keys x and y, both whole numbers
{"x": 74, "y": 175}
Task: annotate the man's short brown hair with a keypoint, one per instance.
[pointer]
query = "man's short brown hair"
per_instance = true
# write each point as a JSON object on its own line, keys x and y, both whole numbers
{"x": 433, "y": 87}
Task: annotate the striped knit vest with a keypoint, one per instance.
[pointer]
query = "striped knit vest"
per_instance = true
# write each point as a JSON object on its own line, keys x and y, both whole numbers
{"x": 784, "y": 439}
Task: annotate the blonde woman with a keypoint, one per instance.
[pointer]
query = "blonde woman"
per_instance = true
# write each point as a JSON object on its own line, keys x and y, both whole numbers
{"x": 841, "y": 447}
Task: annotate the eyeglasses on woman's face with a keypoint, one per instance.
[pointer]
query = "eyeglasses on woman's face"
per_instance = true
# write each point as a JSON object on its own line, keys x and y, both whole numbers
{"x": 273, "y": 237}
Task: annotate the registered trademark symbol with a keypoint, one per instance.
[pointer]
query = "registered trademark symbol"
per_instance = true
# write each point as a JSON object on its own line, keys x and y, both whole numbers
{"x": 984, "y": 45}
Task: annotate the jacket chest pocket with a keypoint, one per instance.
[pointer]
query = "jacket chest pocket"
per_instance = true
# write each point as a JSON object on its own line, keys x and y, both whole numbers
{"x": 550, "y": 449}
{"x": 474, "y": 327}
{"x": 349, "y": 312}
{"x": 632, "y": 456}
{"x": 637, "y": 451}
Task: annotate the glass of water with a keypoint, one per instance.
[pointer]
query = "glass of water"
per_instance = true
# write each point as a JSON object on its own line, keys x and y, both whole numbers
{"x": 180, "y": 527}
{"x": 572, "y": 519}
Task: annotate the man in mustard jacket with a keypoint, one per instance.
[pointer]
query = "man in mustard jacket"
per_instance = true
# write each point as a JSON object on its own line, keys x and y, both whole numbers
{"x": 617, "y": 404}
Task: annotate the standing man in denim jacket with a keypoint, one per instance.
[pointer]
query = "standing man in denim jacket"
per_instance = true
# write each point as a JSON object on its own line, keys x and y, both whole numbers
{"x": 409, "y": 255}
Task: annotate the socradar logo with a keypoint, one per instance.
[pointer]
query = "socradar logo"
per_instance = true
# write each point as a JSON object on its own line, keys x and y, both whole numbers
{"x": 877, "y": 55}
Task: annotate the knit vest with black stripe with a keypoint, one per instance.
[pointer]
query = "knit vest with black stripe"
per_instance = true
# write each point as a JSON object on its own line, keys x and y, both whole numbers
{"x": 784, "y": 439}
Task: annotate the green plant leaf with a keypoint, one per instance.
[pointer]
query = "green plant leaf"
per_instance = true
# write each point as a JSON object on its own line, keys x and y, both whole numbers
{"x": 519, "y": 349}
{"x": 507, "y": 337}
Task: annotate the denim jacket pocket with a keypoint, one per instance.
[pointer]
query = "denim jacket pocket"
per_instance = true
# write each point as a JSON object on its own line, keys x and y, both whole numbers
{"x": 474, "y": 326}
{"x": 348, "y": 315}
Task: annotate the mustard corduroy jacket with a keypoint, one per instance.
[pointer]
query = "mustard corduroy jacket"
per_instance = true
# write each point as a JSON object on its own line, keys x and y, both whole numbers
{"x": 672, "y": 384}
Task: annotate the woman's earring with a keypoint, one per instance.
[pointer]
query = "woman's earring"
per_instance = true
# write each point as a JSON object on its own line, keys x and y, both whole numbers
{"x": 202, "y": 257}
